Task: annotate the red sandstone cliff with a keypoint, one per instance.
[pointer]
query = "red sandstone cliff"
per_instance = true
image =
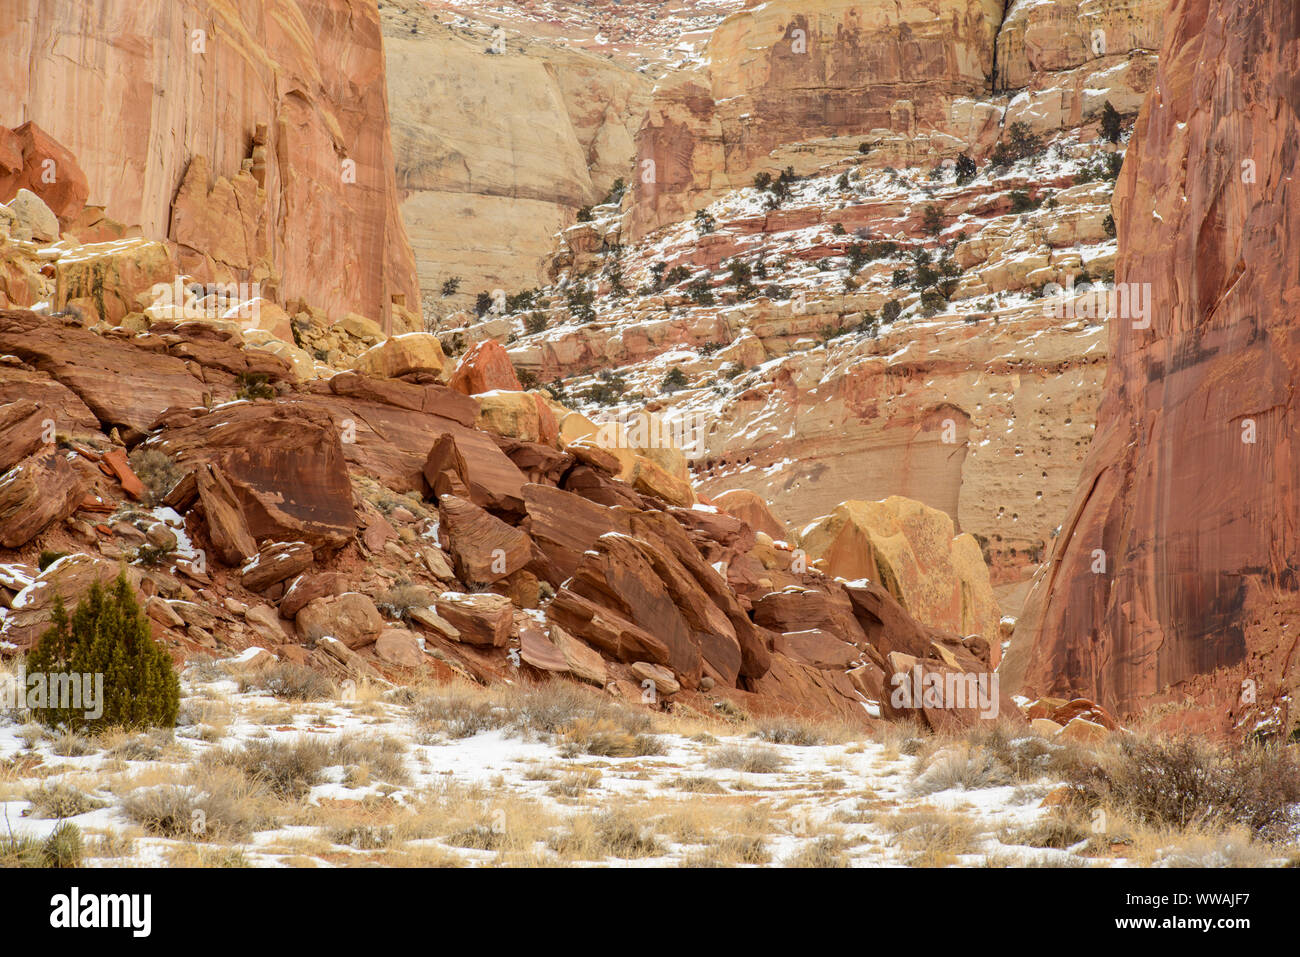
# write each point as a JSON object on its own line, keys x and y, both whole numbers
{"x": 1190, "y": 486}
{"x": 138, "y": 90}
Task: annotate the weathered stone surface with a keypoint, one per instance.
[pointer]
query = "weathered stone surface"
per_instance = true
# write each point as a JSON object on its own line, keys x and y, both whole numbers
{"x": 542, "y": 133}
{"x": 481, "y": 619}
{"x": 911, "y": 549}
{"x": 22, "y": 430}
{"x": 565, "y": 525}
{"x": 121, "y": 384}
{"x": 276, "y": 562}
{"x": 38, "y": 491}
{"x": 583, "y": 661}
{"x": 817, "y": 649}
{"x": 285, "y": 462}
{"x": 294, "y": 89}
{"x": 485, "y": 367}
{"x": 226, "y": 523}
{"x": 483, "y": 548}
{"x": 351, "y": 617}
{"x": 1188, "y": 493}
{"x": 536, "y": 650}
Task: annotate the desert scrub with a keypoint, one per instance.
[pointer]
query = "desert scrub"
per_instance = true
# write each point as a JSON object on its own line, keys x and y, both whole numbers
{"x": 288, "y": 769}
{"x": 290, "y": 682}
{"x": 750, "y": 759}
{"x": 157, "y": 471}
{"x": 1189, "y": 783}
{"x": 57, "y": 800}
{"x": 108, "y": 635}
{"x": 962, "y": 766}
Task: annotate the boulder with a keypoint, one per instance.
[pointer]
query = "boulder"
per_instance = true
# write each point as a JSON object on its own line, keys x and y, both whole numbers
{"x": 750, "y": 508}
{"x": 400, "y": 647}
{"x": 276, "y": 562}
{"x": 32, "y": 218}
{"x": 351, "y": 617}
{"x": 38, "y": 491}
{"x": 485, "y": 367}
{"x": 663, "y": 680}
{"x": 583, "y": 661}
{"x": 480, "y": 619}
{"x": 483, "y": 548}
{"x": 402, "y": 355}
{"x": 911, "y": 549}
{"x": 35, "y": 161}
{"x": 307, "y": 588}
{"x": 537, "y": 651}
{"x": 224, "y": 514}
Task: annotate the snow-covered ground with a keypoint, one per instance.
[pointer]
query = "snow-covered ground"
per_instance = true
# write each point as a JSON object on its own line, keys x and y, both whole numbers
{"x": 696, "y": 790}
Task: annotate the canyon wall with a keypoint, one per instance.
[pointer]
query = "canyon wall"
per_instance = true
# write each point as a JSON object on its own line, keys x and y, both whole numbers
{"x": 139, "y": 91}
{"x": 1176, "y": 568}
{"x": 497, "y": 151}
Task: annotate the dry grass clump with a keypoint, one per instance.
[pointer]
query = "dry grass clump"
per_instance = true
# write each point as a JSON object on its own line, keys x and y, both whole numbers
{"x": 827, "y": 851}
{"x": 575, "y": 783}
{"x": 932, "y": 837}
{"x": 217, "y": 805}
{"x": 961, "y": 766}
{"x": 145, "y": 746}
{"x": 157, "y": 471}
{"x": 1189, "y": 783}
{"x": 286, "y": 769}
{"x": 732, "y": 851}
{"x": 604, "y": 738}
{"x": 1061, "y": 829}
{"x": 289, "y": 682}
{"x": 57, "y": 800}
{"x": 612, "y": 833}
{"x": 750, "y": 759}
{"x": 697, "y": 784}
{"x": 365, "y": 758}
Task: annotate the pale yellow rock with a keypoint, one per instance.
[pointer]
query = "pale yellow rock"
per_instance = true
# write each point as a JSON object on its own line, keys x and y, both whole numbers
{"x": 303, "y": 365}
{"x": 361, "y": 327}
{"x": 1045, "y": 727}
{"x": 652, "y": 479}
{"x": 118, "y": 277}
{"x": 910, "y": 549}
{"x": 512, "y": 414}
{"x": 574, "y": 426}
{"x": 402, "y": 354}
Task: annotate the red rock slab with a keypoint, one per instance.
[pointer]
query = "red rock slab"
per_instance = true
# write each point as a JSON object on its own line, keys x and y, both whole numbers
{"x": 120, "y": 383}
{"x": 482, "y": 619}
{"x": 537, "y": 651}
{"x": 224, "y": 515}
{"x": 565, "y": 525}
{"x": 750, "y": 508}
{"x": 26, "y": 155}
{"x": 483, "y": 548}
{"x": 307, "y": 588}
{"x": 817, "y": 649}
{"x": 116, "y": 461}
{"x": 36, "y": 492}
{"x": 285, "y": 462}
{"x": 486, "y": 366}
{"x": 887, "y": 624}
{"x": 276, "y": 562}
{"x": 800, "y": 689}
{"x": 22, "y": 431}
{"x": 796, "y": 609}
{"x": 71, "y": 415}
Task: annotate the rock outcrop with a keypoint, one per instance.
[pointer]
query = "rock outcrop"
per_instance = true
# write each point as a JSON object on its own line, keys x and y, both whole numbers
{"x": 287, "y": 181}
{"x": 1175, "y": 571}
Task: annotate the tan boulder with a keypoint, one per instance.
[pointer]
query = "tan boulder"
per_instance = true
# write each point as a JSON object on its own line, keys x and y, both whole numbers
{"x": 352, "y": 618}
{"x": 750, "y": 508}
{"x": 400, "y": 647}
{"x": 480, "y": 619}
{"x": 911, "y": 549}
{"x": 402, "y": 354}
{"x": 114, "y": 275}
